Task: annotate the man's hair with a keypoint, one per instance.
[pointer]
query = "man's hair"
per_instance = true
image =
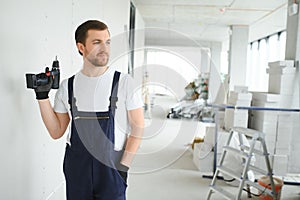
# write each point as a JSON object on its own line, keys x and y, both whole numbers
{"x": 81, "y": 31}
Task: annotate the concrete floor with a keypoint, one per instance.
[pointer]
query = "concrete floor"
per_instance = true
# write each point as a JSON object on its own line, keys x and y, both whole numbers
{"x": 164, "y": 167}
{"x": 181, "y": 181}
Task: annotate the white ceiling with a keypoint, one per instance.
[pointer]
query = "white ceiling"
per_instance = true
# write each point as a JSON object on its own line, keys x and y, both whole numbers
{"x": 209, "y": 20}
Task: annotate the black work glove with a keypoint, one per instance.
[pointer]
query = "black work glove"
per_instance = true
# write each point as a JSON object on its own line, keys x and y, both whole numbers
{"x": 122, "y": 169}
{"x": 42, "y": 91}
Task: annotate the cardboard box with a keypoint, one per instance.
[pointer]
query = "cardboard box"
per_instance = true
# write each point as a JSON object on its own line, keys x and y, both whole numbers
{"x": 245, "y": 103}
{"x": 272, "y": 100}
{"x": 239, "y": 99}
{"x": 266, "y": 116}
{"x": 238, "y": 113}
{"x": 282, "y": 151}
{"x": 265, "y": 97}
{"x": 240, "y": 96}
{"x": 280, "y": 165}
{"x": 260, "y": 162}
{"x": 267, "y": 127}
{"x": 281, "y": 70}
{"x": 205, "y": 129}
{"x": 282, "y": 80}
{"x": 221, "y": 121}
{"x": 264, "y": 104}
{"x": 286, "y": 117}
{"x": 284, "y": 139}
{"x": 235, "y": 118}
{"x": 294, "y": 161}
{"x": 236, "y": 122}
{"x": 241, "y": 88}
{"x": 285, "y": 127}
{"x": 282, "y": 84}
{"x": 271, "y": 146}
{"x": 203, "y": 158}
{"x": 221, "y": 141}
{"x": 281, "y": 63}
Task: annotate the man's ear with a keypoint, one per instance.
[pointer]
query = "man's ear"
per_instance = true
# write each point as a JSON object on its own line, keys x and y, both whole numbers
{"x": 80, "y": 47}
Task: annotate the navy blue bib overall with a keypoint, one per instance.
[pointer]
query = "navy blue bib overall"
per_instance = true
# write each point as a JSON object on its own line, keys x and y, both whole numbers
{"x": 90, "y": 163}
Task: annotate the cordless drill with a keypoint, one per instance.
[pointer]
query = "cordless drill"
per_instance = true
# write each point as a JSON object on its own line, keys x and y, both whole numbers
{"x": 35, "y": 80}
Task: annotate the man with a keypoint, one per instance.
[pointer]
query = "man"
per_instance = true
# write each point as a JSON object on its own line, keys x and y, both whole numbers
{"x": 103, "y": 108}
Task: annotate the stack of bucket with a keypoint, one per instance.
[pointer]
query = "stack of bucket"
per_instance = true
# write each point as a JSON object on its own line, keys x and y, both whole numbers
{"x": 265, "y": 182}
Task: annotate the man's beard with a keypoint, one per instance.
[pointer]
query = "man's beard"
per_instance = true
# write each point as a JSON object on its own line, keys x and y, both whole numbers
{"x": 99, "y": 60}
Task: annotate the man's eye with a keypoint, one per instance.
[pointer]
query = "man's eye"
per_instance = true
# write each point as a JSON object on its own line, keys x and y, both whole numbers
{"x": 96, "y": 42}
{"x": 108, "y": 42}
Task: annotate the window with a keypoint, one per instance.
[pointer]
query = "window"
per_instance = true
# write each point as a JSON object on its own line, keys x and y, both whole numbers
{"x": 172, "y": 72}
{"x": 260, "y": 53}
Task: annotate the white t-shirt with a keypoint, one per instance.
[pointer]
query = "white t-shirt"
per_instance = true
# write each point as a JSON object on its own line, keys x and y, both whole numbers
{"x": 92, "y": 95}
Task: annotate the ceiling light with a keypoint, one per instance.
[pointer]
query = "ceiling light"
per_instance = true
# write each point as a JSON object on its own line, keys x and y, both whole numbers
{"x": 222, "y": 10}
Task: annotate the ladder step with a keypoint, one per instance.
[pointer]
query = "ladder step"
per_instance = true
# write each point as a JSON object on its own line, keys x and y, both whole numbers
{"x": 229, "y": 172}
{"x": 248, "y": 132}
{"x": 234, "y": 150}
{"x": 223, "y": 192}
{"x": 259, "y": 187}
{"x": 258, "y": 152}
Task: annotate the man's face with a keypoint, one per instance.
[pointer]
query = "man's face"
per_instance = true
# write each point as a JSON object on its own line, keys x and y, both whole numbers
{"x": 97, "y": 47}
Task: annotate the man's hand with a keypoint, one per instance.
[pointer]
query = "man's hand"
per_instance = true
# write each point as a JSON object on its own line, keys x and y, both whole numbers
{"x": 42, "y": 92}
{"x": 122, "y": 169}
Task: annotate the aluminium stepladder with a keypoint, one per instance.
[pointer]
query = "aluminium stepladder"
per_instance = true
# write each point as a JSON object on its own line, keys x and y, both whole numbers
{"x": 246, "y": 153}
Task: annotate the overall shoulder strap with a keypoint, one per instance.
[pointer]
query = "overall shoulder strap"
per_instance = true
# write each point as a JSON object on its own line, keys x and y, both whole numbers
{"x": 70, "y": 91}
{"x": 114, "y": 92}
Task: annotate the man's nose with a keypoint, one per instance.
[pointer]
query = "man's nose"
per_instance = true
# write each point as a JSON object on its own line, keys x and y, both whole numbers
{"x": 104, "y": 46}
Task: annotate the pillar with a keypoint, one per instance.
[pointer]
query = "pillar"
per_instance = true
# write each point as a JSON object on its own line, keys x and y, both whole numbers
{"x": 238, "y": 55}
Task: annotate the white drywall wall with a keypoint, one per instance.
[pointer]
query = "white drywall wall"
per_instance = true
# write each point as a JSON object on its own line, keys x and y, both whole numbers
{"x": 32, "y": 33}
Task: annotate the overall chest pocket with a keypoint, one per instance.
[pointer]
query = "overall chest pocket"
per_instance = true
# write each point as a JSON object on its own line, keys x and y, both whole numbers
{"x": 96, "y": 133}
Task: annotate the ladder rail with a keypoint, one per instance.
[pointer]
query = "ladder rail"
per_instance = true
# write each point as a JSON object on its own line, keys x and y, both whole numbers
{"x": 269, "y": 169}
{"x": 215, "y": 177}
{"x": 246, "y": 167}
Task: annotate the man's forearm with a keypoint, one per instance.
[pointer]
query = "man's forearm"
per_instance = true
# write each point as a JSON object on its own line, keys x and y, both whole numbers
{"x": 131, "y": 148}
{"x": 136, "y": 119}
{"x": 56, "y": 126}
